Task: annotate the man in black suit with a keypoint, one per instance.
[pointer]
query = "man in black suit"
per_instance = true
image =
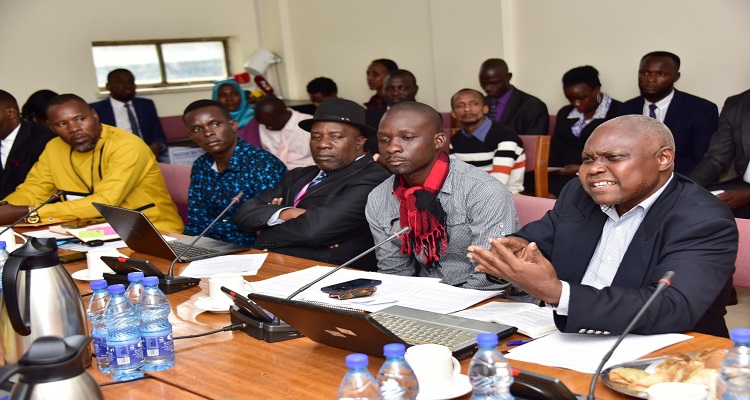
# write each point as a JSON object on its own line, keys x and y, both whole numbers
{"x": 691, "y": 119}
{"x": 730, "y": 142}
{"x": 318, "y": 212}
{"x": 598, "y": 255}
{"x": 522, "y": 112}
{"x": 21, "y": 143}
{"x": 398, "y": 86}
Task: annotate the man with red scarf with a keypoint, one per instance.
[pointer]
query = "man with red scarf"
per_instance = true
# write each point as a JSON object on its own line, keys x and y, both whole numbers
{"x": 447, "y": 203}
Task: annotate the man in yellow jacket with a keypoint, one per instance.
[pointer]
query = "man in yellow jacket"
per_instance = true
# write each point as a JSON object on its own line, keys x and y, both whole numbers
{"x": 91, "y": 162}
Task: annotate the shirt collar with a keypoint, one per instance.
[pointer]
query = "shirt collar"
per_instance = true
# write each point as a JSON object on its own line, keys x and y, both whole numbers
{"x": 117, "y": 103}
{"x": 481, "y": 132}
{"x": 601, "y": 109}
{"x": 504, "y": 98}
{"x": 12, "y": 135}
{"x": 645, "y": 205}
{"x": 663, "y": 103}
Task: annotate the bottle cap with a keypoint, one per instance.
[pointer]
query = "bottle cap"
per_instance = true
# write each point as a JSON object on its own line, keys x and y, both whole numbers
{"x": 116, "y": 289}
{"x": 740, "y": 335}
{"x": 394, "y": 350}
{"x": 487, "y": 340}
{"x": 98, "y": 284}
{"x": 135, "y": 276}
{"x": 356, "y": 360}
{"x": 150, "y": 281}
{"x": 2, "y": 244}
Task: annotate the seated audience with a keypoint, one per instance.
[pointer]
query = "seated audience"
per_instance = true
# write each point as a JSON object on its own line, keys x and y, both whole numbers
{"x": 133, "y": 114}
{"x": 21, "y": 143}
{"x": 522, "y": 112}
{"x": 230, "y": 94}
{"x": 35, "y": 108}
{"x": 491, "y": 147}
{"x": 447, "y": 203}
{"x": 731, "y": 142}
{"x": 317, "y": 212}
{"x": 229, "y": 166}
{"x": 376, "y": 72}
{"x": 399, "y": 85}
{"x": 589, "y": 107}
{"x": 320, "y": 89}
{"x": 280, "y": 133}
{"x": 91, "y": 162}
{"x": 598, "y": 255}
{"x": 691, "y": 119}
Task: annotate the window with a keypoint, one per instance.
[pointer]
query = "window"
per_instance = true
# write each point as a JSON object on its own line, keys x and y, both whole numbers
{"x": 163, "y": 63}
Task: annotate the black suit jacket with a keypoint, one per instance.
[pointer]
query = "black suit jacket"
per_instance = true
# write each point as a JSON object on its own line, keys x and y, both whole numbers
{"x": 372, "y": 118}
{"x": 145, "y": 111}
{"x": 692, "y": 121}
{"x": 525, "y": 114}
{"x": 730, "y": 142}
{"x": 335, "y": 214}
{"x": 687, "y": 230}
{"x": 28, "y": 146}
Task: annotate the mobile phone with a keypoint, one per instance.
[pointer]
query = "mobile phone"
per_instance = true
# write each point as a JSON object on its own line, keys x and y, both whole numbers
{"x": 349, "y": 285}
{"x": 72, "y": 257}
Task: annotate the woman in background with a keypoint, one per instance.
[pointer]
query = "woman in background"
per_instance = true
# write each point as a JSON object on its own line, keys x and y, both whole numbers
{"x": 589, "y": 107}
{"x": 231, "y": 95}
{"x": 376, "y": 72}
{"x": 35, "y": 108}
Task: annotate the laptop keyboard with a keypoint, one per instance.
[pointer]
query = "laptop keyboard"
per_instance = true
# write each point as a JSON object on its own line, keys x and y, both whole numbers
{"x": 418, "y": 332}
{"x": 195, "y": 251}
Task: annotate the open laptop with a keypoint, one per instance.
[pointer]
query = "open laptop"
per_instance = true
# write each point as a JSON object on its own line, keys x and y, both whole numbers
{"x": 368, "y": 333}
{"x": 142, "y": 236}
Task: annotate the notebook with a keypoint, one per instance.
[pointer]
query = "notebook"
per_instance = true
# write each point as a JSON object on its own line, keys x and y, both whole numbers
{"x": 142, "y": 236}
{"x": 367, "y": 333}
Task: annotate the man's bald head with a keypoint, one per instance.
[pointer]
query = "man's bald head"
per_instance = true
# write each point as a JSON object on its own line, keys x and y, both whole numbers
{"x": 272, "y": 112}
{"x": 494, "y": 77}
{"x": 655, "y": 133}
{"x": 431, "y": 118}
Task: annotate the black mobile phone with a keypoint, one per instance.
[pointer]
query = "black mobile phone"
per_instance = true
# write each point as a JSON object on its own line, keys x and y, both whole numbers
{"x": 349, "y": 285}
{"x": 72, "y": 257}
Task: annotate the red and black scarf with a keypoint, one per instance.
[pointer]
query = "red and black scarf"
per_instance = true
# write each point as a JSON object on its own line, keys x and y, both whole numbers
{"x": 421, "y": 211}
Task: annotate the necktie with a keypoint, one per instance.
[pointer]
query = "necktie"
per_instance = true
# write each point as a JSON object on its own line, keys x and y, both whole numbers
{"x": 320, "y": 177}
{"x": 652, "y": 111}
{"x": 133, "y": 122}
{"x": 493, "y": 109}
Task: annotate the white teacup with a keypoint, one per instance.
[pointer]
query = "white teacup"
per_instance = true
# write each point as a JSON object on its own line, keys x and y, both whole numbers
{"x": 232, "y": 281}
{"x": 677, "y": 390}
{"x": 95, "y": 265}
{"x": 9, "y": 237}
{"x": 433, "y": 364}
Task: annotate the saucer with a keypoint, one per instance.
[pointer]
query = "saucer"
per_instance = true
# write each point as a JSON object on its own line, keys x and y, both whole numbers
{"x": 83, "y": 275}
{"x": 459, "y": 386}
{"x": 204, "y": 304}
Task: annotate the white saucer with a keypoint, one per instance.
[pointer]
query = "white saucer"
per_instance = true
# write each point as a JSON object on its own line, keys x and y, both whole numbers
{"x": 83, "y": 275}
{"x": 204, "y": 304}
{"x": 457, "y": 388}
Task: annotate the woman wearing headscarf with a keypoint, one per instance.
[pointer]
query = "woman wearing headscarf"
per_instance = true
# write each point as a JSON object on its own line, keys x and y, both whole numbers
{"x": 231, "y": 95}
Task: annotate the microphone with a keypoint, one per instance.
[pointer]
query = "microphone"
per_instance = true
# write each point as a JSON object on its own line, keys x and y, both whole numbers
{"x": 52, "y": 198}
{"x": 263, "y": 84}
{"x": 664, "y": 282}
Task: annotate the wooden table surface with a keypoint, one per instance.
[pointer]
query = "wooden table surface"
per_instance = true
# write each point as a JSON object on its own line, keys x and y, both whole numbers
{"x": 233, "y": 365}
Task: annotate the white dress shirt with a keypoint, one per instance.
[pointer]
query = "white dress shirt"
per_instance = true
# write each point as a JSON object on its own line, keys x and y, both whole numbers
{"x": 7, "y": 144}
{"x": 661, "y": 107}
{"x": 122, "y": 120}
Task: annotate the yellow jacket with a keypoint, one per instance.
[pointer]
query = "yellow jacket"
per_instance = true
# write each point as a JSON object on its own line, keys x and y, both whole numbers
{"x": 120, "y": 171}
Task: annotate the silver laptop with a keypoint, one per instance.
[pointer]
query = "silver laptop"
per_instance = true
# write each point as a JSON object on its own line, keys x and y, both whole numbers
{"x": 141, "y": 235}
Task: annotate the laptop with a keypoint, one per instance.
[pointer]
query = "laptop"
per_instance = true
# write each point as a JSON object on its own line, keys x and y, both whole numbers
{"x": 360, "y": 332}
{"x": 141, "y": 235}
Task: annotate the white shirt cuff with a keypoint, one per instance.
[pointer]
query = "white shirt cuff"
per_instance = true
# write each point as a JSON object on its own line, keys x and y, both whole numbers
{"x": 562, "y": 306}
{"x": 274, "y": 220}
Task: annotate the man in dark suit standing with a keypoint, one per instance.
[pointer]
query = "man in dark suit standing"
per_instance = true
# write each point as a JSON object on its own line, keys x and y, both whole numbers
{"x": 318, "y": 212}
{"x": 691, "y": 119}
{"x": 21, "y": 143}
{"x": 598, "y": 255}
{"x": 730, "y": 142}
{"x": 522, "y": 112}
{"x": 133, "y": 114}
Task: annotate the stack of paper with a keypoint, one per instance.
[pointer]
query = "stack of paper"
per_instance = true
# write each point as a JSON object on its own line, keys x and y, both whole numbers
{"x": 530, "y": 319}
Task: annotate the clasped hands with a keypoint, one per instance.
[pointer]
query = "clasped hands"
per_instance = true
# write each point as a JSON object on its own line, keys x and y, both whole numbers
{"x": 521, "y": 263}
{"x": 292, "y": 213}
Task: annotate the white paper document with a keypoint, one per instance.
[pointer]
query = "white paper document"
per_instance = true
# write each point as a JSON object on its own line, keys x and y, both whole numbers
{"x": 243, "y": 264}
{"x": 46, "y": 233}
{"x": 530, "y": 319}
{"x": 583, "y": 353}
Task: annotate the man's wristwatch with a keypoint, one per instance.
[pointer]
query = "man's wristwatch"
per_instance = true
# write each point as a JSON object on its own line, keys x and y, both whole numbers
{"x": 33, "y": 218}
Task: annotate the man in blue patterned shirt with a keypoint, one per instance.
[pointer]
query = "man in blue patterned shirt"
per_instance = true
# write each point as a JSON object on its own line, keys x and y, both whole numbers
{"x": 229, "y": 166}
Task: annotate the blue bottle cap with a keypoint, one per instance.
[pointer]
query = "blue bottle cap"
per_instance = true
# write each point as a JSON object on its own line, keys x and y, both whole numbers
{"x": 150, "y": 281}
{"x": 356, "y": 360}
{"x": 2, "y": 244}
{"x": 116, "y": 289}
{"x": 740, "y": 335}
{"x": 98, "y": 284}
{"x": 394, "y": 350}
{"x": 135, "y": 276}
{"x": 487, "y": 340}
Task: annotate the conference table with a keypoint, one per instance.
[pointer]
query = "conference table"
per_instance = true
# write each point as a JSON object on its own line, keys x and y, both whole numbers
{"x": 233, "y": 365}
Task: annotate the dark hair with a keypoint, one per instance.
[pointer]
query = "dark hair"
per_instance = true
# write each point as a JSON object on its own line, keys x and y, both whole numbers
{"x": 667, "y": 54}
{"x": 35, "y": 108}
{"x": 8, "y": 98}
{"x": 66, "y": 98}
{"x": 586, "y": 74}
{"x": 323, "y": 85}
{"x": 403, "y": 73}
{"x": 390, "y": 65}
{"x": 117, "y": 71}
{"x": 480, "y": 94}
{"x": 198, "y": 104}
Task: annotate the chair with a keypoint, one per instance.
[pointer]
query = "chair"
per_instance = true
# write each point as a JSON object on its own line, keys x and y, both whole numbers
{"x": 177, "y": 179}
{"x": 530, "y": 208}
{"x": 741, "y": 275}
{"x": 536, "y": 148}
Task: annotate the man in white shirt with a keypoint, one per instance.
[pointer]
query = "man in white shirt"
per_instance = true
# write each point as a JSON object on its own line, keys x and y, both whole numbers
{"x": 280, "y": 133}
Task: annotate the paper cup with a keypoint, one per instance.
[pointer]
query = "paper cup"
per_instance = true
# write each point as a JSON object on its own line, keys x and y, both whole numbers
{"x": 95, "y": 265}
{"x": 433, "y": 364}
{"x": 220, "y": 299}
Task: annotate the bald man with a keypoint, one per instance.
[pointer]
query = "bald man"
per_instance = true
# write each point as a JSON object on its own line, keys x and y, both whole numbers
{"x": 280, "y": 133}
{"x": 598, "y": 255}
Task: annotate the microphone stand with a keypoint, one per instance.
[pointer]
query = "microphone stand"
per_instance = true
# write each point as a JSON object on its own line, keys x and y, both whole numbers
{"x": 52, "y": 198}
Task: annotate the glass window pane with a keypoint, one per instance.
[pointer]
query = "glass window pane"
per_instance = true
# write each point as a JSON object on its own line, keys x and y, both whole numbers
{"x": 196, "y": 61}
{"x": 141, "y": 59}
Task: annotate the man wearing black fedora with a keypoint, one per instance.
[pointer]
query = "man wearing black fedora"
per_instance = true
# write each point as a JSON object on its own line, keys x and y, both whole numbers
{"x": 318, "y": 212}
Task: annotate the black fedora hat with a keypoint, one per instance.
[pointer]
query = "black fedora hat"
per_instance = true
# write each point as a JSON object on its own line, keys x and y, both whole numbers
{"x": 340, "y": 110}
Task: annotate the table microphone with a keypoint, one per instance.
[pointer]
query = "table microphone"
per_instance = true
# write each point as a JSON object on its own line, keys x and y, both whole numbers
{"x": 52, "y": 198}
{"x": 664, "y": 282}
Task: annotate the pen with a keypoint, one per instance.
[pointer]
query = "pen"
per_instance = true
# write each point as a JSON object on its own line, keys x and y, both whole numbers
{"x": 517, "y": 342}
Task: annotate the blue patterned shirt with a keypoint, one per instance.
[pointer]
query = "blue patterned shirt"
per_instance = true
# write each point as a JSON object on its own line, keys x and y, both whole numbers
{"x": 250, "y": 170}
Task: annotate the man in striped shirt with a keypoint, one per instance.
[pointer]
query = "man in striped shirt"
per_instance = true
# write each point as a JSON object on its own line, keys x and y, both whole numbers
{"x": 485, "y": 144}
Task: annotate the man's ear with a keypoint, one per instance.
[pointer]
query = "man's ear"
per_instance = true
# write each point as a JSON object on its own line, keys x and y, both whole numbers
{"x": 440, "y": 140}
{"x": 666, "y": 159}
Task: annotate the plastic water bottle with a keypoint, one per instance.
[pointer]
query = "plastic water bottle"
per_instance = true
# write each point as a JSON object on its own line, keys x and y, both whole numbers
{"x": 3, "y": 258}
{"x": 358, "y": 383}
{"x": 135, "y": 287}
{"x": 155, "y": 327}
{"x": 489, "y": 373}
{"x": 734, "y": 379}
{"x": 124, "y": 342}
{"x": 95, "y": 311}
{"x": 396, "y": 378}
